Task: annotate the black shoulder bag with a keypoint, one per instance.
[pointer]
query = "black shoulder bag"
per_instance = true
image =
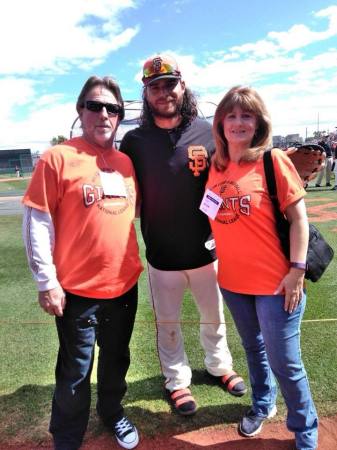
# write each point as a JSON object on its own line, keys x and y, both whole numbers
{"x": 319, "y": 253}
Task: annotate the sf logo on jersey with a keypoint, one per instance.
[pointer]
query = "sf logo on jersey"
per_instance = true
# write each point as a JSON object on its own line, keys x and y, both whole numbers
{"x": 198, "y": 156}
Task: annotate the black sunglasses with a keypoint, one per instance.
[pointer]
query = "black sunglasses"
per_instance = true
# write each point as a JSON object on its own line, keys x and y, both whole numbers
{"x": 112, "y": 108}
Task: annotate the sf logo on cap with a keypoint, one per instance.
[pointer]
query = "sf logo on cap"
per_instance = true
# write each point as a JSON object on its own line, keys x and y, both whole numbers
{"x": 156, "y": 64}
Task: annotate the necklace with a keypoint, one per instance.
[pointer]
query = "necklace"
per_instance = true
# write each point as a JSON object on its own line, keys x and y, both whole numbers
{"x": 99, "y": 152}
{"x": 106, "y": 164}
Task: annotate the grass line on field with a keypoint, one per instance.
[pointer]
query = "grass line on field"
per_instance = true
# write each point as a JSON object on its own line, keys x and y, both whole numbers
{"x": 147, "y": 322}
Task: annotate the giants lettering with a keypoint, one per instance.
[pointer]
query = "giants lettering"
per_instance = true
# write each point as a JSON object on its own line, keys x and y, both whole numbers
{"x": 237, "y": 203}
{"x": 92, "y": 194}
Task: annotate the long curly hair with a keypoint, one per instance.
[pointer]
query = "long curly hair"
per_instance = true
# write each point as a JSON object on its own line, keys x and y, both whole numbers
{"x": 248, "y": 100}
{"x": 188, "y": 110}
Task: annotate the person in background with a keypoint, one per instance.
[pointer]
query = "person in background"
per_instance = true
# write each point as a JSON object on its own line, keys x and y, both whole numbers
{"x": 328, "y": 163}
{"x": 82, "y": 250}
{"x": 334, "y": 165}
{"x": 171, "y": 152}
{"x": 262, "y": 289}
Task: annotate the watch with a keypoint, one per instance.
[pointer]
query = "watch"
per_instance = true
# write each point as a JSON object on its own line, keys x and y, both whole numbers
{"x": 298, "y": 265}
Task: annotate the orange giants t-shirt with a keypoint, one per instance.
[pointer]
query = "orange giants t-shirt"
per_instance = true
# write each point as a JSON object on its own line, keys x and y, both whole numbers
{"x": 96, "y": 251}
{"x": 251, "y": 260}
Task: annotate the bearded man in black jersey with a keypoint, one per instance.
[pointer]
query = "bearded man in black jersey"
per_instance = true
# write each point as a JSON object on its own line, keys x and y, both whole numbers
{"x": 171, "y": 151}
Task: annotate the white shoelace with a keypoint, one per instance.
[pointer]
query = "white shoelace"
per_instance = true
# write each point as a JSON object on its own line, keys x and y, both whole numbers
{"x": 123, "y": 426}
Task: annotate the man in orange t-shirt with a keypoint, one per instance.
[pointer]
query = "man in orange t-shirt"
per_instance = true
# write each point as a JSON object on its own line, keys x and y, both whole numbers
{"x": 82, "y": 249}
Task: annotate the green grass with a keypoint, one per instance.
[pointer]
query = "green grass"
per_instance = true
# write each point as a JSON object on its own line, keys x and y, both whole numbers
{"x": 16, "y": 186}
{"x": 28, "y": 347}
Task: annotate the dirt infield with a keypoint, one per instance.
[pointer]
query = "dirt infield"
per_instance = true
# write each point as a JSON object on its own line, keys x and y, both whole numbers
{"x": 14, "y": 179}
{"x": 274, "y": 436}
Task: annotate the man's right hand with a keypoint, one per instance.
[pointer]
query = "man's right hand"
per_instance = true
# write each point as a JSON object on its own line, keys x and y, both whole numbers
{"x": 53, "y": 301}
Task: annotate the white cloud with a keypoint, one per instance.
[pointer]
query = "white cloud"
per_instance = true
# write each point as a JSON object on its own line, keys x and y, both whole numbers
{"x": 298, "y": 36}
{"x": 37, "y": 130}
{"x": 44, "y": 35}
{"x": 296, "y": 110}
{"x": 14, "y": 93}
{"x": 40, "y": 37}
{"x": 48, "y": 37}
{"x": 298, "y": 86}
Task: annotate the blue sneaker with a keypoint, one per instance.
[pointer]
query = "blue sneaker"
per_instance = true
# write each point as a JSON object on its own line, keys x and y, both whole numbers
{"x": 126, "y": 433}
{"x": 251, "y": 424}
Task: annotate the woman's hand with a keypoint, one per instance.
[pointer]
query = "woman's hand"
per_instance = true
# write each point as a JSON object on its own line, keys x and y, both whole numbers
{"x": 292, "y": 287}
{"x": 292, "y": 283}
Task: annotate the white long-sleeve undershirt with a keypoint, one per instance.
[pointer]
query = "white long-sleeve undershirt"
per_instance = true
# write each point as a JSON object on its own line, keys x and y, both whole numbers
{"x": 39, "y": 238}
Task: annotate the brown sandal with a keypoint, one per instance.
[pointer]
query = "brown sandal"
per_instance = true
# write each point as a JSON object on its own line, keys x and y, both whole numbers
{"x": 183, "y": 401}
{"x": 233, "y": 384}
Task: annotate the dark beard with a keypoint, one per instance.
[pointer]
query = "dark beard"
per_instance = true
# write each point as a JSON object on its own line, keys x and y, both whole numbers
{"x": 166, "y": 115}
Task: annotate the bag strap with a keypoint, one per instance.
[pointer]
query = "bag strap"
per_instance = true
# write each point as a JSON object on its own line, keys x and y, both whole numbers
{"x": 282, "y": 224}
{"x": 270, "y": 178}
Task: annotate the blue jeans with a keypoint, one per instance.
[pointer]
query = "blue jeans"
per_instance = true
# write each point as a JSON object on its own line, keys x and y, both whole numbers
{"x": 271, "y": 339}
{"x": 85, "y": 321}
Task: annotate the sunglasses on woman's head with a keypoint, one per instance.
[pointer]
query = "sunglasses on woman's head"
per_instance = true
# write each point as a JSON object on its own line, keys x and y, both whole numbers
{"x": 111, "y": 108}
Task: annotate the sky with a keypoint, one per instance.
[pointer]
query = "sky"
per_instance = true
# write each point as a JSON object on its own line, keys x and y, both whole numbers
{"x": 286, "y": 50}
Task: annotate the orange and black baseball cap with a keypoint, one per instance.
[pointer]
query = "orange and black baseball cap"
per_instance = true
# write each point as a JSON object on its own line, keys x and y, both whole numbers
{"x": 158, "y": 67}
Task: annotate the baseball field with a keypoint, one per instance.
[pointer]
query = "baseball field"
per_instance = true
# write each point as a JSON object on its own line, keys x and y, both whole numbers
{"x": 28, "y": 347}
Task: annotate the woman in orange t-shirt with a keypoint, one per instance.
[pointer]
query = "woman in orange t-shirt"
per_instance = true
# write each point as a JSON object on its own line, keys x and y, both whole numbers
{"x": 263, "y": 291}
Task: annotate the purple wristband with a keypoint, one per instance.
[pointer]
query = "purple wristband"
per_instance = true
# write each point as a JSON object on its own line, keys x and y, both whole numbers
{"x": 297, "y": 265}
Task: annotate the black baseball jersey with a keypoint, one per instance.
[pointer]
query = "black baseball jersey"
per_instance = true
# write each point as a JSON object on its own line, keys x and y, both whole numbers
{"x": 172, "y": 169}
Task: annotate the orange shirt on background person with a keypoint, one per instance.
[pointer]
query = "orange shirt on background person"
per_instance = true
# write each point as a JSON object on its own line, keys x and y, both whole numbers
{"x": 250, "y": 257}
{"x": 96, "y": 252}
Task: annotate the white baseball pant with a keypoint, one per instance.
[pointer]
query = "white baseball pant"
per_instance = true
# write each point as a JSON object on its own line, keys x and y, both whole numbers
{"x": 166, "y": 289}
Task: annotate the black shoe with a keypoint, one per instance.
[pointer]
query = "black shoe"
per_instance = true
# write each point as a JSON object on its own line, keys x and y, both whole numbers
{"x": 317, "y": 185}
{"x": 328, "y": 184}
{"x": 126, "y": 433}
{"x": 251, "y": 424}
